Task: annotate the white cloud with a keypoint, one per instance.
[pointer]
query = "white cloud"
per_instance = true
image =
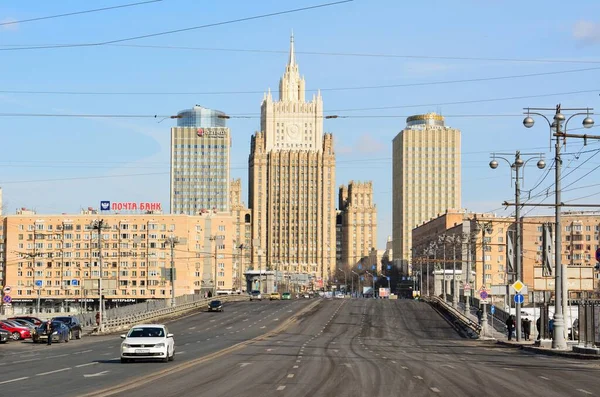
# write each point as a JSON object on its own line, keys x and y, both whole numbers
{"x": 12, "y": 26}
{"x": 365, "y": 144}
{"x": 586, "y": 31}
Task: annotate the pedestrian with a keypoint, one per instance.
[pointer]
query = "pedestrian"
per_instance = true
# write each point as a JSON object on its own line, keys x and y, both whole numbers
{"x": 551, "y": 328}
{"x": 538, "y": 324}
{"x": 98, "y": 319}
{"x": 479, "y": 315}
{"x": 526, "y": 325}
{"x": 510, "y": 326}
{"x": 49, "y": 331}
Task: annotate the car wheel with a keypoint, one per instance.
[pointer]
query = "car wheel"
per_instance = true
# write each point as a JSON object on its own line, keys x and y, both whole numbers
{"x": 172, "y": 357}
{"x": 166, "y": 359}
{"x": 16, "y": 335}
{"x": 78, "y": 335}
{"x": 70, "y": 336}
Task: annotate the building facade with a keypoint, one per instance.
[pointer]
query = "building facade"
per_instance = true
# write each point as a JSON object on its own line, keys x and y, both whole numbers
{"x": 200, "y": 160}
{"x": 359, "y": 222}
{"x": 292, "y": 182}
{"x": 57, "y": 257}
{"x": 242, "y": 238}
{"x": 426, "y": 178}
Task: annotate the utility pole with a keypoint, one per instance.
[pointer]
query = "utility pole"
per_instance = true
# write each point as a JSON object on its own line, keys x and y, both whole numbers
{"x": 99, "y": 226}
{"x": 485, "y": 228}
{"x": 241, "y": 247}
{"x": 560, "y": 293}
{"x": 172, "y": 241}
{"x": 467, "y": 240}
{"x": 217, "y": 240}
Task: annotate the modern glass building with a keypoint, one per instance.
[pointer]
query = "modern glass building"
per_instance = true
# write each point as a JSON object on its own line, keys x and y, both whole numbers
{"x": 200, "y": 159}
{"x": 199, "y": 116}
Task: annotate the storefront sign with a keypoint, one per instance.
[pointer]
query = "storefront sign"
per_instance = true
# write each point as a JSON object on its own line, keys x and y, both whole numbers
{"x": 130, "y": 206}
{"x": 218, "y": 132}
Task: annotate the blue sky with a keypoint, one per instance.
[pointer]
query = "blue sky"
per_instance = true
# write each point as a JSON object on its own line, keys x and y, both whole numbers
{"x": 60, "y": 164}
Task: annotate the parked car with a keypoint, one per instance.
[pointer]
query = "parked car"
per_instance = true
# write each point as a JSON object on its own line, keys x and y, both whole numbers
{"x": 36, "y": 321}
{"x": 17, "y": 331}
{"x": 4, "y": 336}
{"x": 286, "y": 296}
{"x": 215, "y": 306}
{"x": 24, "y": 323}
{"x": 274, "y": 296}
{"x": 148, "y": 341}
{"x": 255, "y": 295}
{"x": 74, "y": 325}
{"x": 60, "y": 332}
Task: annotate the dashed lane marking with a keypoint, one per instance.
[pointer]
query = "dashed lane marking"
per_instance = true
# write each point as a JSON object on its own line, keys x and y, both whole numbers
{"x": 281, "y": 388}
{"x": 295, "y": 366}
{"x": 290, "y": 375}
{"x": 584, "y": 391}
{"x": 543, "y": 377}
{"x": 14, "y": 380}
{"x": 85, "y": 365}
{"x": 418, "y": 377}
{"x": 435, "y": 389}
{"x": 53, "y": 372}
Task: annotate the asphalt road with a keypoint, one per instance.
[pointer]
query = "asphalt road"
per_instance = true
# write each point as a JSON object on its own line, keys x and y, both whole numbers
{"x": 372, "y": 348}
{"x": 93, "y": 363}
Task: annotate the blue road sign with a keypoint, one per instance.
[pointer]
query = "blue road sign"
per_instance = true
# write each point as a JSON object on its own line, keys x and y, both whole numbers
{"x": 389, "y": 267}
{"x": 598, "y": 254}
{"x": 519, "y": 298}
{"x": 38, "y": 283}
{"x": 359, "y": 266}
{"x": 483, "y": 295}
{"x": 373, "y": 267}
{"x": 493, "y": 309}
{"x": 7, "y": 299}
{"x": 75, "y": 282}
{"x": 403, "y": 278}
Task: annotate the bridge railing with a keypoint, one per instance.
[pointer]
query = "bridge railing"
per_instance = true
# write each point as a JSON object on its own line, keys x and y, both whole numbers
{"x": 459, "y": 317}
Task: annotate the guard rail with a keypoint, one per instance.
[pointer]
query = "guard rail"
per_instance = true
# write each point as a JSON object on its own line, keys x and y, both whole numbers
{"x": 116, "y": 324}
{"x": 458, "y": 317}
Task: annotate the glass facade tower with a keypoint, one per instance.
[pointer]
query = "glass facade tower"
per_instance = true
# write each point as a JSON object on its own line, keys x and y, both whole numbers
{"x": 201, "y": 117}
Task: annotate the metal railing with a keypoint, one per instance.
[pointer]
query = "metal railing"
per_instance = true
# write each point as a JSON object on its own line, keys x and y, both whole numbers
{"x": 459, "y": 317}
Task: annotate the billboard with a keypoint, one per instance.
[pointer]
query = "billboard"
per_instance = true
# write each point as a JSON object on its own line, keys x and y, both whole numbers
{"x": 106, "y": 205}
{"x": 367, "y": 290}
{"x": 384, "y": 292}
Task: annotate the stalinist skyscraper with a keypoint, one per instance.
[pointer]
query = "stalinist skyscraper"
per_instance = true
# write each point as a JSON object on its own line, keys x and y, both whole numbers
{"x": 292, "y": 182}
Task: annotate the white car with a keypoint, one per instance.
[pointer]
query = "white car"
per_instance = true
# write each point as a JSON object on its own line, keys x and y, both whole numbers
{"x": 148, "y": 341}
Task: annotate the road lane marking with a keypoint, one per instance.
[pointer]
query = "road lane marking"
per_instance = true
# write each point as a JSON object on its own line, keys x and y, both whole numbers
{"x": 509, "y": 369}
{"x": 295, "y": 366}
{"x": 448, "y": 365}
{"x": 53, "y": 372}
{"x": 394, "y": 362}
{"x": 242, "y": 365}
{"x": 404, "y": 367}
{"x": 260, "y": 328}
{"x": 87, "y": 351}
{"x": 290, "y": 375}
{"x": 281, "y": 388}
{"x": 24, "y": 361}
{"x": 85, "y": 365}
{"x": 14, "y": 380}
{"x": 192, "y": 328}
{"x": 298, "y": 361}
{"x": 584, "y": 391}
{"x": 180, "y": 352}
{"x": 418, "y": 377}
{"x": 96, "y": 374}
{"x": 435, "y": 389}
{"x": 543, "y": 377}
{"x": 228, "y": 327}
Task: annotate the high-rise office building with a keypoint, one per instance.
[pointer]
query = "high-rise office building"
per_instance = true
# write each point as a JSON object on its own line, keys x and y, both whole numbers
{"x": 359, "y": 222}
{"x": 200, "y": 150}
{"x": 426, "y": 178}
{"x": 292, "y": 182}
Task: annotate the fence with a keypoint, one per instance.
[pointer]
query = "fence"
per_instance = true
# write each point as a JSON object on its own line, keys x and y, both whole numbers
{"x": 589, "y": 324}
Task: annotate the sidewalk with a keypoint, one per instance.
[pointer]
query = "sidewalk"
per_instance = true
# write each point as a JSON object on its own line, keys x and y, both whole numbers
{"x": 529, "y": 347}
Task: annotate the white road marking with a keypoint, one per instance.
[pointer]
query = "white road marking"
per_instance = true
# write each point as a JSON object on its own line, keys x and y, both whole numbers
{"x": 295, "y": 366}
{"x": 186, "y": 344}
{"x": 394, "y": 362}
{"x": 584, "y": 391}
{"x": 509, "y": 369}
{"x": 281, "y": 388}
{"x": 84, "y": 351}
{"x": 26, "y": 361}
{"x": 180, "y": 352}
{"x": 53, "y": 372}
{"x": 192, "y": 328}
{"x": 404, "y": 367}
{"x": 212, "y": 321}
{"x": 260, "y": 327}
{"x": 385, "y": 358}
{"x": 418, "y": 377}
{"x": 94, "y": 375}
{"x": 228, "y": 327}
{"x": 86, "y": 365}
{"x": 448, "y": 365}
{"x": 290, "y": 375}
{"x": 275, "y": 319}
{"x": 298, "y": 361}
{"x": 347, "y": 365}
{"x": 435, "y": 389}
{"x": 242, "y": 365}
{"x": 14, "y": 380}
{"x": 269, "y": 350}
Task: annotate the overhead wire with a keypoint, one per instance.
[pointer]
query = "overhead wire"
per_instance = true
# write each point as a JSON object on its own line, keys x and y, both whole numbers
{"x": 169, "y": 32}
{"x": 5, "y": 23}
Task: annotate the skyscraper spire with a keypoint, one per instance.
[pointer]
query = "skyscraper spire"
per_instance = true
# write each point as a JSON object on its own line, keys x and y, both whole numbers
{"x": 292, "y": 60}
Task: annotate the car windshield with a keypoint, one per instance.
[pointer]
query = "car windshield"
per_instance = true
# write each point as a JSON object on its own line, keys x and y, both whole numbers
{"x": 255, "y": 292}
{"x": 215, "y": 303}
{"x": 55, "y": 325}
{"x": 66, "y": 320}
{"x": 146, "y": 332}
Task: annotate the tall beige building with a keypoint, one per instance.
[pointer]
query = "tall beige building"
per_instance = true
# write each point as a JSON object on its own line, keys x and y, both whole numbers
{"x": 359, "y": 222}
{"x": 242, "y": 237}
{"x": 292, "y": 182}
{"x": 426, "y": 178}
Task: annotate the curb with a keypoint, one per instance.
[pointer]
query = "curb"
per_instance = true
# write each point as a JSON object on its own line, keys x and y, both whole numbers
{"x": 548, "y": 352}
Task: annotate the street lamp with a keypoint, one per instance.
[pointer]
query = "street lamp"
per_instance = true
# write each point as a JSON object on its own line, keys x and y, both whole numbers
{"x": 345, "y": 280}
{"x": 516, "y": 166}
{"x": 484, "y": 228}
{"x": 442, "y": 240}
{"x": 358, "y": 275}
{"x": 560, "y": 285}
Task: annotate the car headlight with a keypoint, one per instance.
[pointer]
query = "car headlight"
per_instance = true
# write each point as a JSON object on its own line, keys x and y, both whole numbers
{"x": 159, "y": 345}
{"x": 125, "y": 345}
{"x": 55, "y": 333}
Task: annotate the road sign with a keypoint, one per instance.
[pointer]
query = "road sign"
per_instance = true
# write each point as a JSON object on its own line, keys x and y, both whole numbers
{"x": 518, "y": 286}
{"x": 519, "y": 298}
{"x": 493, "y": 309}
{"x": 7, "y": 289}
{"x": 598, "y": 254}
{"x": 467, "y": 287}
{"x": 7, "y": 299}
{"x": 38, "y": 283}
{"x": 483, "y": 295}
{"x": 74, "y": 282}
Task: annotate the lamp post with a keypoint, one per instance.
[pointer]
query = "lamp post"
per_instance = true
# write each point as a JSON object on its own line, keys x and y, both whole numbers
{"x": 100, "y": 225}
{"x": 560, "y": 285}
{"x": 466, "y": 239}
{"x": 516, "y": 166}
{"x": 353, "y": 272}
{"x": 485, "y": 228}
{"x": 373, "y": 279}
{"x": 345, "y": 280}
{"x": 454, "y": 240}
{"x": 442, "y": 240}
{"x": 218, "y": 240}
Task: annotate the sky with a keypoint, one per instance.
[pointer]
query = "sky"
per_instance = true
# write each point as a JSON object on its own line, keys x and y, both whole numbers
{"x": 478, "y": 62}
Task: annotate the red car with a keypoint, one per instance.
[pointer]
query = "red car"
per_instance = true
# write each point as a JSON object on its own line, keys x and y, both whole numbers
{"x": 34, "y": 320}
{"x": 17, "y": 332}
